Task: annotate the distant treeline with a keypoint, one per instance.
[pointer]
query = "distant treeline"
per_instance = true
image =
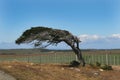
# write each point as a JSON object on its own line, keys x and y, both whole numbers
{"x": 29, "y": 51}
{"x": 38, "y": 51}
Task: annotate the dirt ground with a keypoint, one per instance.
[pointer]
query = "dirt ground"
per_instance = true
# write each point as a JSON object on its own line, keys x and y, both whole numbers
{"x": 31, "y": 71}
{"x": 5, "y": 76}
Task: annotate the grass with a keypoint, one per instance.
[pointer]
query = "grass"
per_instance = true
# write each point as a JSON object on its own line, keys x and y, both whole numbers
{"x": 24, "y": 66}
{"x": 27, "y": 71}
{"x": 41, "y": 58}
{"x": 33, "y": 71}
{"x": 37, "y": 56}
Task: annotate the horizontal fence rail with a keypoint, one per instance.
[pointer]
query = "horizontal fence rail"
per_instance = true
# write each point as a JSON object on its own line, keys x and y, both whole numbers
{"x": 55, "y": 57}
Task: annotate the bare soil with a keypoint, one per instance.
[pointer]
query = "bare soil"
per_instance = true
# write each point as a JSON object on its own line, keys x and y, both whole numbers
{"x": 31, "y": 71}
{"x": 5, "y": 76}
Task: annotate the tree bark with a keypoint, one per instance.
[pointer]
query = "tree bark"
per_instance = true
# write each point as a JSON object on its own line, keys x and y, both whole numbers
{"x": 77, "y": 51}
{"x": 79, "y": 55}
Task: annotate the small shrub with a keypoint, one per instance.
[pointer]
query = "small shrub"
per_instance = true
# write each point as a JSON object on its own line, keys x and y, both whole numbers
{"x": 94, "y": 65}
{"x": 106, "y": 67}
{"x": 98, "y": 64}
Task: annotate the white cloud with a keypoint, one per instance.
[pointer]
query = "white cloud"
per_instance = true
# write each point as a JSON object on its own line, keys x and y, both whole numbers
{"x": 100, "y": 42}
{"x": 86, "y": 37}
{"x": 115, "y": 36}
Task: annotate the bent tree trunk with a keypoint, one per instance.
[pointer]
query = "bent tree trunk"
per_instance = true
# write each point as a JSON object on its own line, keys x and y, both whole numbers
{"x": 77, "y": 51}
{"x": 79, "y": 55}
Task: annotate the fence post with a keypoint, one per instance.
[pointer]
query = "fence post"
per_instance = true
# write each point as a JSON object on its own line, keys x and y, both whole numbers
{"x": 40, "y": 58}
{"x": 107, "y": 59}
{"x": 76, "y": 57}
{"x": 55, "y": 57}
{"x": 28, "y": 59}
{"x": 114, "y": 60}
{"x": 89, "y": 59}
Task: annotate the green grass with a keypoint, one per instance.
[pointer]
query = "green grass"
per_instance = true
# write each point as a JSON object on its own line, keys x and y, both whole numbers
{"x": 90, "y": 56}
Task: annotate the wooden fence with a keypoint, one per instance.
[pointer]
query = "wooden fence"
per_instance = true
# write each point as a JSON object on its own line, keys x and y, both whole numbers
{"x": 110, "y": 59}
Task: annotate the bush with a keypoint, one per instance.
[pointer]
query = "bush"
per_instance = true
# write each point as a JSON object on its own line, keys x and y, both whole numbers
{"x": 95, "y": 65}
{"x": 98, "y": 64}
{"x": 106, "y": 67}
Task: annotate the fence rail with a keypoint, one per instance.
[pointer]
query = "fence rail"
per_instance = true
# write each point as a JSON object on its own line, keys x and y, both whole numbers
{"x": 110, "y": 59}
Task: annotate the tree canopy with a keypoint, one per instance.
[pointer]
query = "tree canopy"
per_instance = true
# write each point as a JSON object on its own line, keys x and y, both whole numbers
{"x": 39, "y": 35}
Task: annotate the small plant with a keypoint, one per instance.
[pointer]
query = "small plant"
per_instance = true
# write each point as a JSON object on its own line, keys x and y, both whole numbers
{"x": 98, "y": 64}
{"x": 106, "y": 67}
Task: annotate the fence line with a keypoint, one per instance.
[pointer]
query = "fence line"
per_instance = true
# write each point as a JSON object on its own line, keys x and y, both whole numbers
{"x": 110, "y": 59}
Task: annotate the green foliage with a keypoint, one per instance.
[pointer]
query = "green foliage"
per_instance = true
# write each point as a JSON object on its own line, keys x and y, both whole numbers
{"x": 106, "y": 67}
{"x": 40, "y": 34}
{"x": 30, "y": 34}
{"x": 92, "y": 65}
{"x": 98, "y": 64}
{"x": 36, "y": 30}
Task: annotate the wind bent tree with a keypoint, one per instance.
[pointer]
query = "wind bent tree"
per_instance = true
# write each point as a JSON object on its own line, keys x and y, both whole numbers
{"x": 40, "y": 36}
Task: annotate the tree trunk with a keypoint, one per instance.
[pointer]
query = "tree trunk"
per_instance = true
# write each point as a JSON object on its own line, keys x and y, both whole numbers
{"x": 77, "y": 51}
{"x": 79, "y": 55}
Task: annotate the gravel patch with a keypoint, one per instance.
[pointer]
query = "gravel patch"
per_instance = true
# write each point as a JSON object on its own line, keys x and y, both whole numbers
{"x": 5, "y": 76}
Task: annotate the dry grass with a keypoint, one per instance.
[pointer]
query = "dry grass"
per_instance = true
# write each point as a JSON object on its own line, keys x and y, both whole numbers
{"x": 31, "y": 71}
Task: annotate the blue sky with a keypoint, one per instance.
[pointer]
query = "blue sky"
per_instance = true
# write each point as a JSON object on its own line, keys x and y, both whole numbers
{"x": 80, "y": 17}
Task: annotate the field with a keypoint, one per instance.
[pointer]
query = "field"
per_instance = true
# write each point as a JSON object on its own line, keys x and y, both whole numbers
{"x": 35, "y": 64}
{"x": 32, "y": 71}
{"x": 110, "y": 57}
